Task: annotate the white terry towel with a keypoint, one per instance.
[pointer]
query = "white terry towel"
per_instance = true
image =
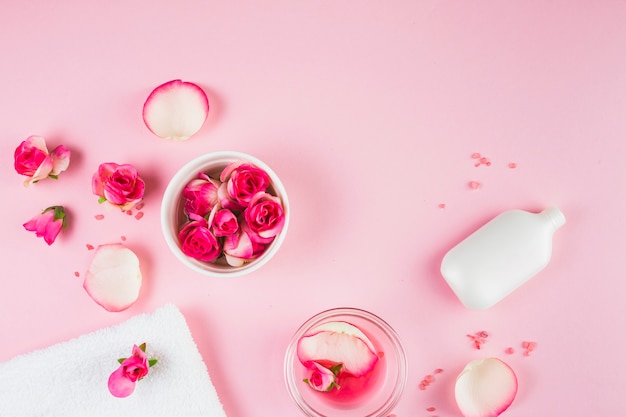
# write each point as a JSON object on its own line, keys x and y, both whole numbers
{"x": 70, "y": 378}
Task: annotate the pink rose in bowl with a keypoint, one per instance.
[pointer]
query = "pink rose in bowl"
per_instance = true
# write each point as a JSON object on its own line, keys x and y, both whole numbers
{"x": 242, "y": 182}
{"x": 201, "y": 195}
{"x": 197, "y": 240}
{"x": 119, "y": 185}
{"x": 33, "y": 160}
{"x": 264, "y": 217}
{"x": 223, "y": 222}
{"x": 321, "y": 378}
{"x": 240, "y": 179}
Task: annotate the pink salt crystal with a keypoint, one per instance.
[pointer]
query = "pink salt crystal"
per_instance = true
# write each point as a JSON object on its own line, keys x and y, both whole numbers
{"x": 488, "y": 163}
{"x": 99, "y": 216}
{"x": 482, "y": 334}
{"x": 525, "y": 344}
{"x": 139, "y": 215}
{"x": 123, "y": 238}
{"x": 431, "y": 409}
{"x": 474, "y": 185}
{"x": 475, "y": 155}
{"x": 512, "y": 165}
{"x": 139, "y": 206}
{"x": 438, "y": 371}
{"x": 422, "y": 386}
{"x": 483, "y": 160}
{"x": 429, "y": 378}
{"x": 442, "y": 205}
{"x": 89, "y": 246}
{"x": 76, "y": 274}
{"x": 509, "y": 351}
{"x": 129, "y": 212}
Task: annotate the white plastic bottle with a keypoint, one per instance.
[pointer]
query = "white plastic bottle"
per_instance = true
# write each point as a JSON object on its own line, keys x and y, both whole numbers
{"x": 500, "y": 256}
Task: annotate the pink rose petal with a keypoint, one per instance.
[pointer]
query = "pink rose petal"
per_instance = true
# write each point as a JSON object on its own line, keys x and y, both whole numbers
{"x": 113, "y": 278}
{"x": 176, "y": 110}
{"x": 485, "y": 388}
{"x": 338, "y": 343}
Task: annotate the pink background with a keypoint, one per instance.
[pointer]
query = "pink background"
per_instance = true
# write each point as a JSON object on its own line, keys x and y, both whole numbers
{"x": 369, "y": 111}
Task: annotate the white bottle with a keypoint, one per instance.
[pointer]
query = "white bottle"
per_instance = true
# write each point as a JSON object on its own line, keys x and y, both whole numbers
{"x": 500, "y": 256}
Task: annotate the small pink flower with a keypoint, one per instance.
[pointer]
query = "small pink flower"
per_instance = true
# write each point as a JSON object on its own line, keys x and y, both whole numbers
{"x": 132, "y": 369}
{"x": 321, "y": 378}
{"x": 201, "y": 195}
{"x": 33, "y": 160}
{"x": 48, "y": 224}
{"x": 120, "y": 185}
{"x": 243, "y": 181}
{"x": 238, "y": 248}
{"x": 223, "y": 222}
{"x": 197, "y": 241}
{"x": 265, "y": 217}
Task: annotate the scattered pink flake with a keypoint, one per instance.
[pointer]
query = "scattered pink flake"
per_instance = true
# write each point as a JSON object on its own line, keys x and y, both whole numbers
{"x": 488, "y": 163}
{"x": 89, "y": 246}
{"x": 381, "y": 354}
{"x": 431, "y": 409}
{"x": 509, "y": 351}
{"x": 99, "y": 216}
{"x": 429, "y": 379}
{"x": 475, "y": 155}
{"x": 123, "y": 238}
{"x": 512, "y": 165}
{"x": 442, "y": 205}
{"x": 477, "y": 164}
{"x": 478, "y": 338}
{"x": 483, "y": 160}
{"x": 139, "y": 206}
{"x": 474, "y": 185}
{"x": 139, "y": 215}
{"x": 528, "y": 347}
{"x": 76, "y": 274}
{"x": 129, "y": 212}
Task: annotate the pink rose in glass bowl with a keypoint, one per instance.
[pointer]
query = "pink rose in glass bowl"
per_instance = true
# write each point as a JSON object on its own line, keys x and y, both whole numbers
{"x": 248, "y": 212}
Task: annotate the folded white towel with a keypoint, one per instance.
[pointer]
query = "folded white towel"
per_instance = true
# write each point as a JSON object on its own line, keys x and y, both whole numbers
{"x": 70, "y": 378}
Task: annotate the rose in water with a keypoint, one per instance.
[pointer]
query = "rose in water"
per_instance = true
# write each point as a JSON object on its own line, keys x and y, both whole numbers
{"x": 340, "y": 360}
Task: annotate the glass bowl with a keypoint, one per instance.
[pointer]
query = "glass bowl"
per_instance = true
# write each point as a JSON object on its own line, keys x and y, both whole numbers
{"x": 173, "y": 215}
{"x": 374, "y": 398}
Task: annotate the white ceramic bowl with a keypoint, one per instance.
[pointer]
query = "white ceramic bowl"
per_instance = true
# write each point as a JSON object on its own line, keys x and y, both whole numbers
{"x": 173, "y": 216}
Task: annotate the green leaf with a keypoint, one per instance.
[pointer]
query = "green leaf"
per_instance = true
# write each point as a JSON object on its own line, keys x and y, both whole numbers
{"x": 102, "y": 200}
{"x": 152, "y": 362}
{"x": 54, "y": 177}
{"x": 120, "y": 360}
{"x": 143, "y": 347}
{"x": 336, "y": 368}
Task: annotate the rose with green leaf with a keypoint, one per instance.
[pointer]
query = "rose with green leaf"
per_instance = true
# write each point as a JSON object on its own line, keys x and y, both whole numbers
{"x": 132, "y": 369}
{"x": 118, "y": 185}
{"x": 48, "y": 224}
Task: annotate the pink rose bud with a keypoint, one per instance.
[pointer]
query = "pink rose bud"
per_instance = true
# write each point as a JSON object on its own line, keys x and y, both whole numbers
{"x": 224, "y": 223}
{"x": 197, "y": 241}
{"x": 132, "y": 369}
{"x": 243, "y": 181}
{"x": 33, "y": 160}
{"x": 48, "y": 224}
{"x": 321, "y": 378}
{"x": 119, "y": 185}
{"x": 200, "y": 195}
{"x": 265, "y": 217}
